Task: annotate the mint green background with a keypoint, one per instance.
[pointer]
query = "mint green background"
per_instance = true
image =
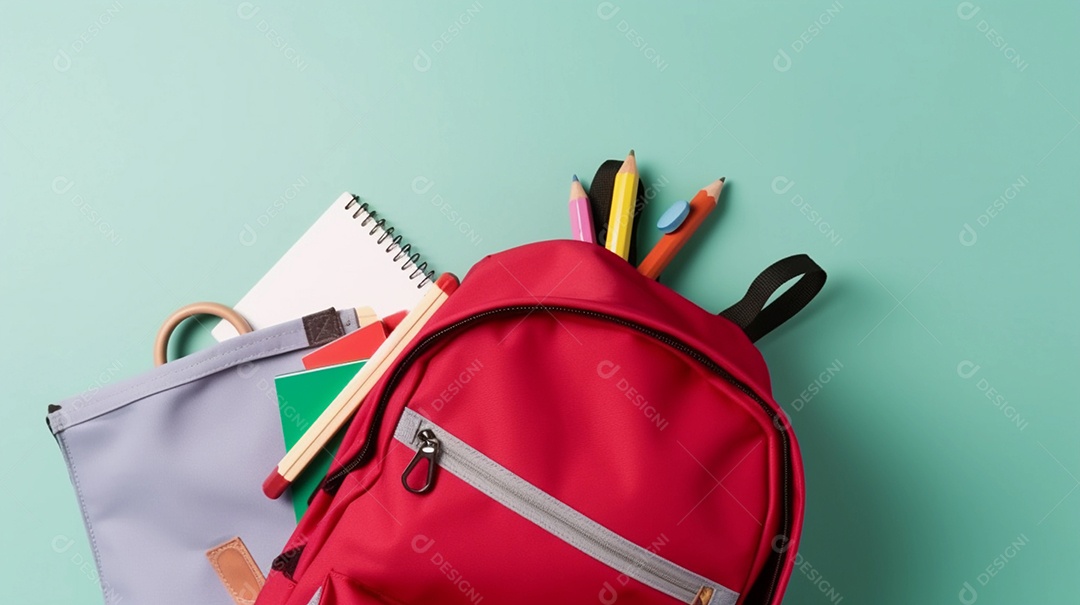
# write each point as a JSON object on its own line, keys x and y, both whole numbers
{"x": 898, "y": 123}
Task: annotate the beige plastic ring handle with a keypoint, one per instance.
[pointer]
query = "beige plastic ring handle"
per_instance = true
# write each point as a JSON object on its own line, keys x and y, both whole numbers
{"x": 161, "y": 343}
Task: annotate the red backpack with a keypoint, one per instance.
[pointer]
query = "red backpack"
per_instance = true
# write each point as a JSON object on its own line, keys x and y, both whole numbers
{"x": 564, "y": 430}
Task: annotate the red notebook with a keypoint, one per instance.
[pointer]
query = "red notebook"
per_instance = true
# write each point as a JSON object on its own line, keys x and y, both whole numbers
{"x": 352, "y": 347}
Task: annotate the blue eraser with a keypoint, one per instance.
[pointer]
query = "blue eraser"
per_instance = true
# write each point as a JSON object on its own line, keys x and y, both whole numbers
{"x": 673, "y": 217}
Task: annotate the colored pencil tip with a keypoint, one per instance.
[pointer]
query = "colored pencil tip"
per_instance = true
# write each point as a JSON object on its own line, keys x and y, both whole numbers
{"x": 632, "y": 153}
{"x": 722, "y": 179}
{"x": 576, "y": 179}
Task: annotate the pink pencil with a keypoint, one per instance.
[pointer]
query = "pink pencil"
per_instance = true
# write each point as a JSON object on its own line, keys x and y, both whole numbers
{"x": 581, "y": 226}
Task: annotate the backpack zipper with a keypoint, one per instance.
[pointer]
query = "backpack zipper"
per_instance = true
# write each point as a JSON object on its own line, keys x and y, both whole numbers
{"x": 442, "y": 449}
{"x": 430, "y": 449}
{"x": 332, "y": 482}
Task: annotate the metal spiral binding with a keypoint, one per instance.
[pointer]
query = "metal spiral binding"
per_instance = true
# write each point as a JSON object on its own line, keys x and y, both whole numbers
{"x": 411, "y": 260}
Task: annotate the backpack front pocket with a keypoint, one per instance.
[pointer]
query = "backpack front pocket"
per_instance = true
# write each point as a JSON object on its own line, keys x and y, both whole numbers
{"x": 437, "y": 451}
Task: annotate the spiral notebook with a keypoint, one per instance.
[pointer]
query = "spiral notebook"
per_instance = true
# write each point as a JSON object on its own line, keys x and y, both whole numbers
{"x": 350, "y": 257}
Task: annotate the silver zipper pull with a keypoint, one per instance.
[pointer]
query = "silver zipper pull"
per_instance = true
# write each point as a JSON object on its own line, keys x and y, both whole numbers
{"x": 428, "y": 450}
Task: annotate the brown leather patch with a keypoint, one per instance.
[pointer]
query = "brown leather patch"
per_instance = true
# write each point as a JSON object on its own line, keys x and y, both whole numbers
{"x": 237, "y": 570}
{"x": 323, "y": 327}
{"x": 703, "y": 596}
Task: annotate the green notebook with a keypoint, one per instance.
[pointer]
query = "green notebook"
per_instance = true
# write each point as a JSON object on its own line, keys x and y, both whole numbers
{"x": 302, "y": 396}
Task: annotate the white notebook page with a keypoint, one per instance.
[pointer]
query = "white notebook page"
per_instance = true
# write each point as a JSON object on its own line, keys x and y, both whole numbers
{"x": 336, "y": 263}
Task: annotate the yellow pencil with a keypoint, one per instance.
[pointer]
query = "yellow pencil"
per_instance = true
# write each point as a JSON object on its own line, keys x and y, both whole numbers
{"x": 623, "y": 200}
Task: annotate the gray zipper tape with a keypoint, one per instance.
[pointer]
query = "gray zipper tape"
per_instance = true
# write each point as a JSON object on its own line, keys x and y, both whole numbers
{"x": 562, "y": 521}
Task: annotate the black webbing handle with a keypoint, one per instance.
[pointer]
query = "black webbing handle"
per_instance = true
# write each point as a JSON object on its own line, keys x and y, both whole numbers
{"x": 754, "y": 317}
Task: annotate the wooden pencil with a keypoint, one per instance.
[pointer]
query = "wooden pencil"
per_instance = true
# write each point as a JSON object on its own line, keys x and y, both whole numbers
{"x": 623, "y": 201}
{"x": 581, "y": 222}
{"x": 346, "y": 403}
{"x": 670, "y": 243}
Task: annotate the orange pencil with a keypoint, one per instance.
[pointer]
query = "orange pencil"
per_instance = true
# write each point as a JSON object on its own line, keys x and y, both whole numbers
{"x": 670, "y": 243}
